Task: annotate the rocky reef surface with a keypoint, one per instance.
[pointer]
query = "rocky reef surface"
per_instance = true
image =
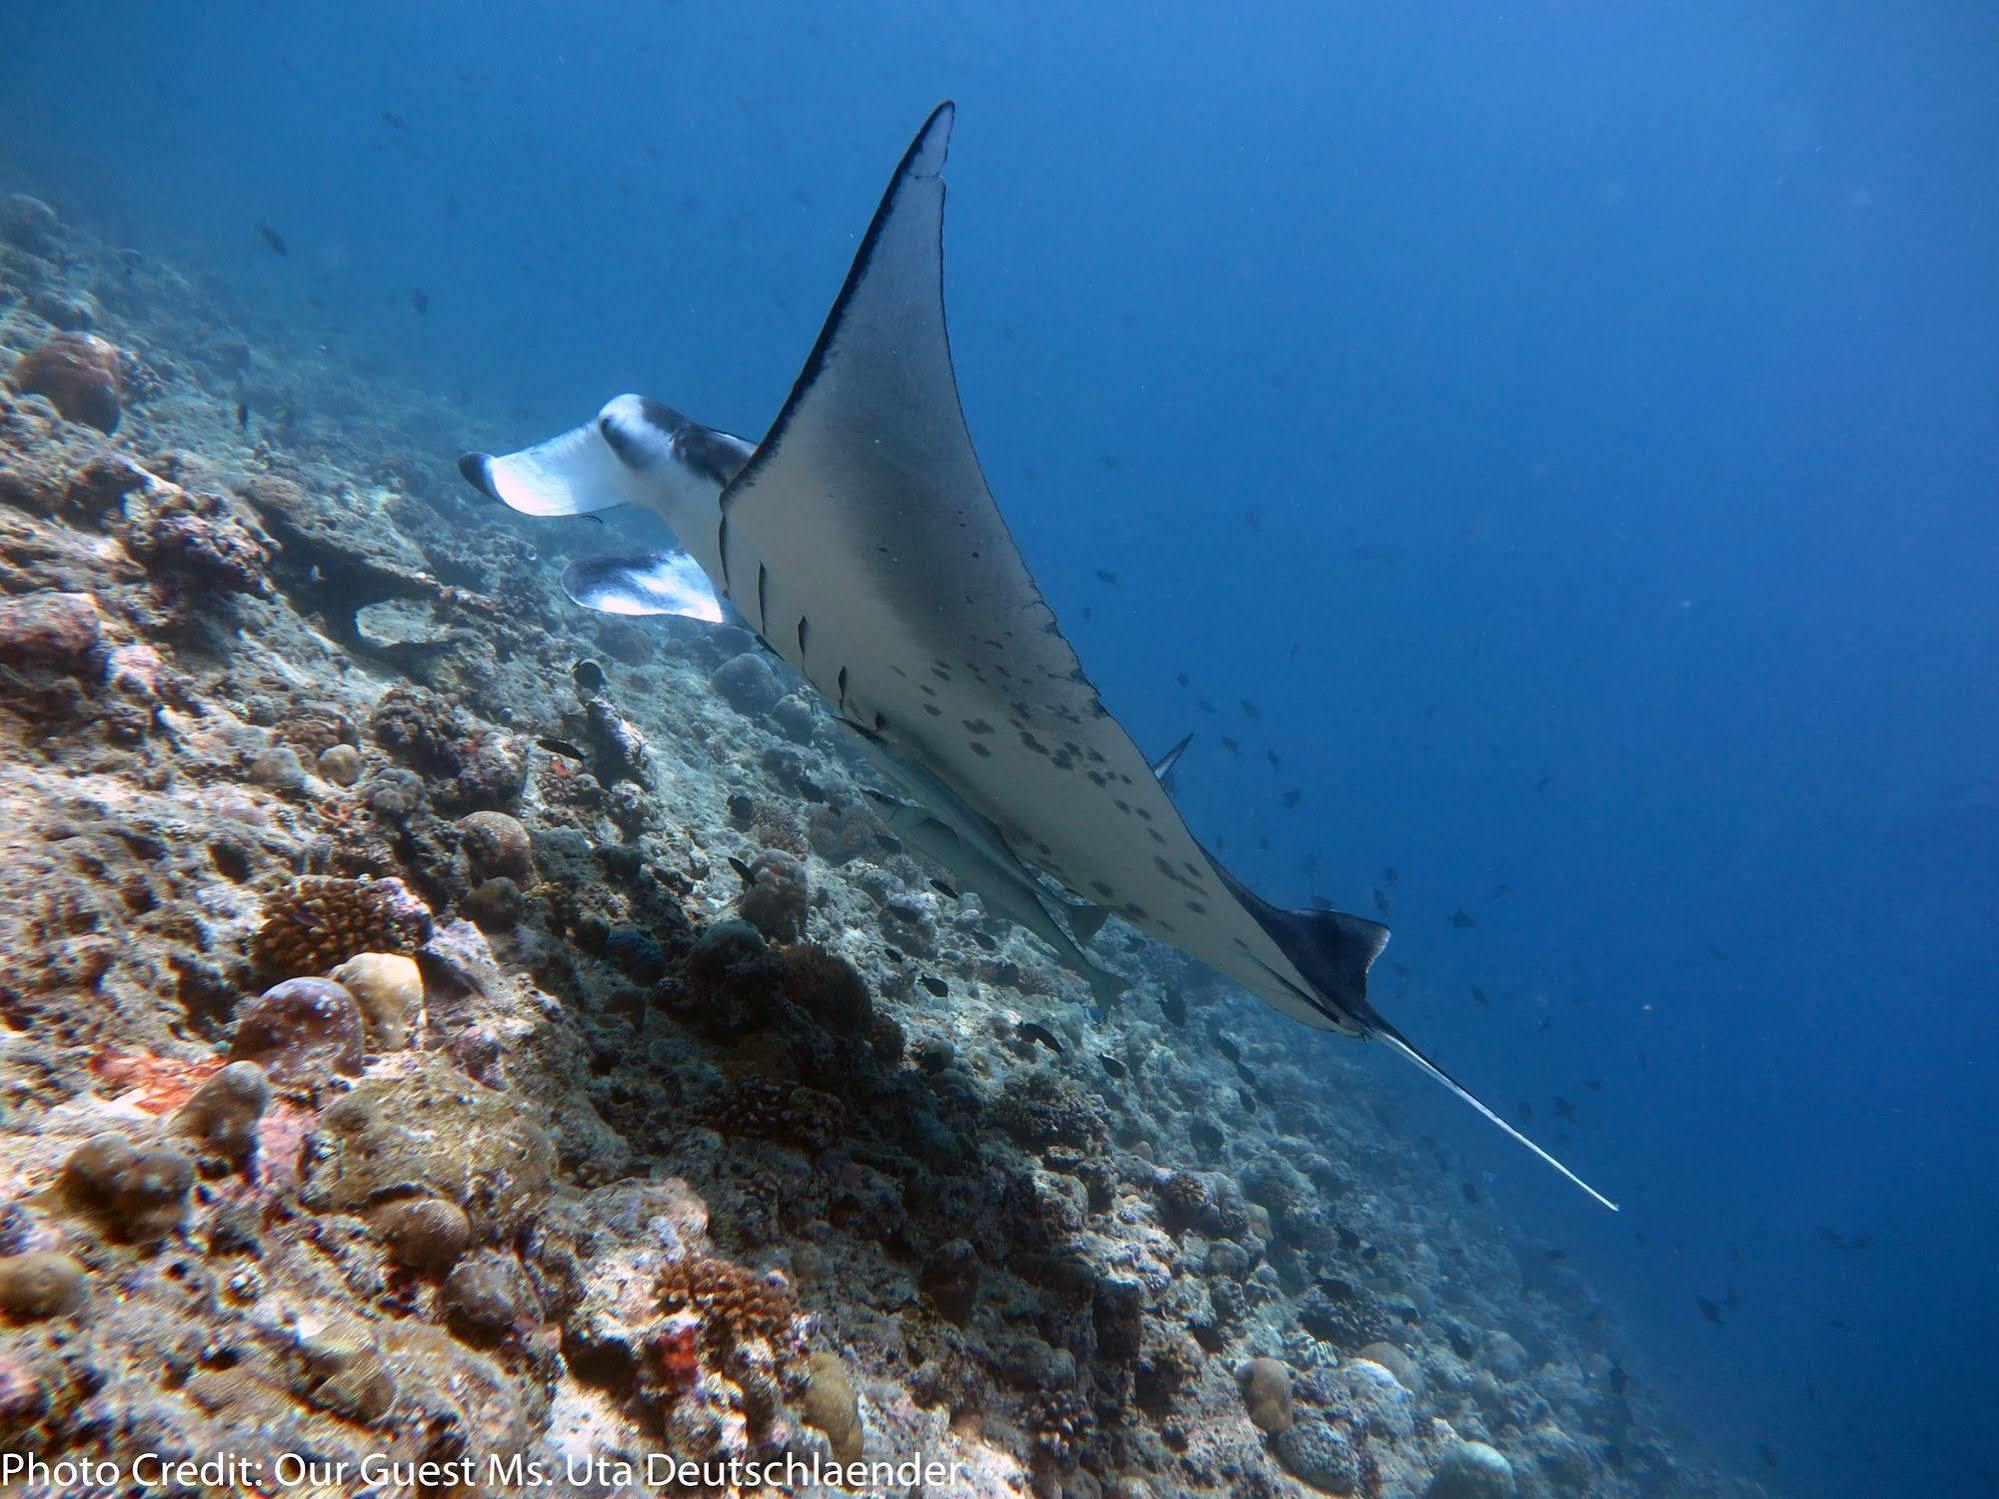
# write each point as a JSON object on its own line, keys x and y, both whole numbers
{"x": 439, "y": 1023}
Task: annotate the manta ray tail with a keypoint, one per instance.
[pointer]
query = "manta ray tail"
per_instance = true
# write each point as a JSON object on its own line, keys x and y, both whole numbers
{"x": 1396, "y": 1043}
{"x": 1334, "y": 952}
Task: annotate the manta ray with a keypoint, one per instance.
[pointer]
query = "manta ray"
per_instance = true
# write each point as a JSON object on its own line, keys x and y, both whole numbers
{"x": 859, "y": 541}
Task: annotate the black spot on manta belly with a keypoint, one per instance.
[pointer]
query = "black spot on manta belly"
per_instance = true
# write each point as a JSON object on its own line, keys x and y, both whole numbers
{"x": 1102, "y": 889}
{"x": 977, "y": 726}
{"x": 933, "y": 710}
{"x": 981, "y": 751}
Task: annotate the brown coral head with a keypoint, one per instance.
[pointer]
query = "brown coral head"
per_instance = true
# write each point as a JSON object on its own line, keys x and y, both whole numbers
{"x": 735, "y": 1305}
{"x": 320, "y": 921}
{"x": 79, "y": 373}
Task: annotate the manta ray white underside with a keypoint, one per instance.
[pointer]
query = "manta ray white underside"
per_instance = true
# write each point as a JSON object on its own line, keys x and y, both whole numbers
{"x": 860, "y": 542}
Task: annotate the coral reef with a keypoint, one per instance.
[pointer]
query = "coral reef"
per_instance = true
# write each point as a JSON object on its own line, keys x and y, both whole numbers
{"x": 397, "y": 1060}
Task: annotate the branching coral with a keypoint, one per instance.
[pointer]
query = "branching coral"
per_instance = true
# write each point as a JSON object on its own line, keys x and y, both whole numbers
{"x": 735, "y": 1306}
{"x": 320, "y": 921}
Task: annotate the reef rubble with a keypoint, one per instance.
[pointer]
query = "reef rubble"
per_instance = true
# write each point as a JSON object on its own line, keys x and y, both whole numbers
{"x": 439, "y": 1022}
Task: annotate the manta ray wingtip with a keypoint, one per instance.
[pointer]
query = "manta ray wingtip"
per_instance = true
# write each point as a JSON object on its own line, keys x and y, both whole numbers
{"x": 477, "y": 469}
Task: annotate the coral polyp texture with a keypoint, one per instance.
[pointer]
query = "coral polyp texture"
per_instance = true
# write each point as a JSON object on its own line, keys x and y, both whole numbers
{"x": 318, "y": 922}
{"x": 439, "y": 1022}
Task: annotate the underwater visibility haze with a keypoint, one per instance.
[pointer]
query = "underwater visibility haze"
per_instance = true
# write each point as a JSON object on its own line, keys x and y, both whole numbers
{"x": 519, "y": 989}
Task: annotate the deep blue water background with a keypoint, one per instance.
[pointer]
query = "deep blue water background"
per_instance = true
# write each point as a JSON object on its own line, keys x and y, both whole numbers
{"x": 1616, "y": 393}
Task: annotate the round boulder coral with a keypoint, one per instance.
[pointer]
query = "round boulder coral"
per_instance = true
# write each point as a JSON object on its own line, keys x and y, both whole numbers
{"x": 1314, "y": 1453}
{"x": 1472, "y": 1470}
{"x": 300, "y": 1032}
{"x": 496, "y": 844}
{"x": 79, "y": 373}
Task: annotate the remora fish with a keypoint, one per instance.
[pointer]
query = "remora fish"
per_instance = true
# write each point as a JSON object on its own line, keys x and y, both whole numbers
{"x": 861, "y": 544}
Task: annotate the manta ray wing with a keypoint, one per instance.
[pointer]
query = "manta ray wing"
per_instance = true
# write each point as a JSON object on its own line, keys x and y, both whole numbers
{"x": 863, "y": 545}
{"x": 668, "y": 582}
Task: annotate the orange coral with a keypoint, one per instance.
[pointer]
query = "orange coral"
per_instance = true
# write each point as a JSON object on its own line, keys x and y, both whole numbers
{"x": 153, "y": 1085}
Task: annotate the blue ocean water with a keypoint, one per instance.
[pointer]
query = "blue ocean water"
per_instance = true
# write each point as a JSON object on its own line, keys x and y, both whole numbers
{"x": 1574, "y": 429}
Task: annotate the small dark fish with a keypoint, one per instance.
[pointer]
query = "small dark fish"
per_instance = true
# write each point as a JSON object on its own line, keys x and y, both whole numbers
{"x": 1547, "y": 1024}
{"x": 1248, "y": 1100}
{"x": 1614, "y": 1455}
{"x": 893, "y": 954}
{"x": 420, "y": 300}
{"x": 1556, "y": 1256}
{"x": 563, "y": 747}
{"x": 1250, "y": 710}
{"x": 1205, "y": 706}
{"x": 1114, "y": 1067}
{"x": 242, "y": 416}
{"x": 1292, "y": 797}
{"x": 1033, "y": 1030}
{"x": 1461, "y": 918}
{"x": 1565, "y": 1109}
{"x": 935, "y": 985}
{"x": 1719, "y": 954}
{"x": 1839, "y": 1324}
{"x": 1389, "y": 875}
{"x": 1227, "y": 1047}
{"x": 1105, "y": 575}
{"x": 943, "y": 889}
{"x": 274, "y": 239}
{"x": 394, "y": 120}
{"x": 1499, "y": 891}
{"x": 1709, "y": 1310}
{"x": 1730, "y": 1299}
{"x": 1401, "y": 968}
{"x": 1271, "y": 756}
{"x": 1183, "y": 679}
{"x": 1381, "y": 900}
{"x": 1369, "y": 1253}
{"x": 1088, "y": 612}
{"x": 1471, "y": 1192}
{"x": 1253, "y": 520}
{"x": 749, "y": 875}
{"x": 1594, "y": 1084}
{"x": 1174, "y": 1005}
{"x": 1349, "y": 1240}
{"x": 1544, "y": 783}
{"x": 1763, "y": 1451}
{"x": 990, "y": 944}
{"x": 1479, "y": 995}
{"x": 1230, "y": 745}
{"x": 1619, "y": 1380}
{"x": 1108, "y": 460}
{"x": 1248, "y": 1077}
